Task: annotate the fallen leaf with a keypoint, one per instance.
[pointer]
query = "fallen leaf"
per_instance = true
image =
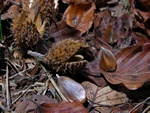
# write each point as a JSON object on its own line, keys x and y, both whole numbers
{"x": 11, "y": 13}
{"x": 140, "y": 39}
{"x": 105, "y": 30}
{"x": 127, "y": 21}
{"x": 103, "y": 96}
{"x": 34, "y": 70}
{"x": 103, "y": 109}
{"x": 93, "y": 67}
{"x": 63, "y": 107}
{"x": 132, "y": 67}
{"x": 25, "y": 106}
{"x": 118, "y": 10}
{"x": 80, "y": 16}
{"x": 62, "y": 32}
{"x": 30, "y": 105}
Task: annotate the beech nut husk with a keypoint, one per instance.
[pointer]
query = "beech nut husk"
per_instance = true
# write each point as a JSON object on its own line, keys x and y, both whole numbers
{"x": 107, "y": 60}
{"x": 72, "y": 90}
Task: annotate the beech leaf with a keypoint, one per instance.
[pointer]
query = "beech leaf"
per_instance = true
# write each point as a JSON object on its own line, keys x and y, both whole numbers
{"x": 80, "y": 16}
{"x": 63, "y": 107}
{"x": 100, "y": 96}
{"x": 132, "y": 67}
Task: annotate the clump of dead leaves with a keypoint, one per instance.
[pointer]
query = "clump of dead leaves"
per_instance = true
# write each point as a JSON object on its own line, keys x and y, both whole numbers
{"x": 91, "y": 57}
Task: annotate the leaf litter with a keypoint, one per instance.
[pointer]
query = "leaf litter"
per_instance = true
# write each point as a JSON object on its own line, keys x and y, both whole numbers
{"x": 75, "y": 56}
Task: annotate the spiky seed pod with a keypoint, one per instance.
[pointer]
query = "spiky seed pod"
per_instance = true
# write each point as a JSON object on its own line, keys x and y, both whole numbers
{"x": 62, "y": 51}
{"x": 26, "y": 34}
{"x": 47, "y": 9}
{"x": 62, "y": 56}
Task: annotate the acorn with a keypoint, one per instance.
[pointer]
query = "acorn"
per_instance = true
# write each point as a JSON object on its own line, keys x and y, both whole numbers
{"x": 62, "y": 56}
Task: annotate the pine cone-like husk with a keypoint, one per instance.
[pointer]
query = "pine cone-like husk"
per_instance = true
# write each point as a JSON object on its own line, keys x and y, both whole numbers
{"x": 26, "y": 34}
{"x": 62, "y": 51}
{"x": 47, "y": 9}
{"x": 59, "y": 56}
{"x": 69, "y": 66}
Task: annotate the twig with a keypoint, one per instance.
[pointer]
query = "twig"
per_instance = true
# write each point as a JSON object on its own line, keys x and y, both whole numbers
{"x": 8, "y": 97}
{"x": 12, "y": 65}
{"x": 15, "y": 2}
{"x": 20, "y": 73}
{"x": 56, "y": 4}
{"x": 3, "y": 108}
{"x": 21, "y": 94}
{"x": 3, "y": 89}
{"x": 139, "y": 105}
{"x": 54, "y": 83}
{"x": 145, "y": 111}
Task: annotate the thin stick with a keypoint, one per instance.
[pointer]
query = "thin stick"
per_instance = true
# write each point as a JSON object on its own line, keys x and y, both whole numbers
{"x": 54, "y": 83}
{"x": 145, "y": 111}
{"x": 20, "y": 73}
{"x": 139, "y": 105}
{"x": 22, "y": 94}
{"x": 8, "y": 97}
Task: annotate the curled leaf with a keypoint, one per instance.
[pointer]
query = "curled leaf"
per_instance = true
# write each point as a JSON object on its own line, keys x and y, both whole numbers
{"x": 71, "y": 89}
{"x": 107, "y": 60}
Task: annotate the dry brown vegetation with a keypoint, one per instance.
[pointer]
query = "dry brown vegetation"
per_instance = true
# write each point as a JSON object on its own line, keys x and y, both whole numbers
{"x": 75, "y": 56}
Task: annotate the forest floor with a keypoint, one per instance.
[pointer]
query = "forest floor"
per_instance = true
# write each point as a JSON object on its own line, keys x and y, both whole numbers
{"x": 75, "y": 56}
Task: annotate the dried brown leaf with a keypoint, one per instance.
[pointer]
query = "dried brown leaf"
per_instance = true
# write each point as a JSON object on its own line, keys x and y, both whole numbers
{"x": 63, "y": 31}
{"x": 64, "y": 107}
{"x": 34, "y": 70}
{"x": 132, "y": 67}
{"x": 24, "y": 107}
{"x": 80, "y": 16}
{"x": 127, "y": 21}
{"x": 140, "y": 39}
{"x": 103, "y": 96}
{"x": 11, "y": 13}
{"x": 30, "y": 105}
{"x": 105, "y": 30}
